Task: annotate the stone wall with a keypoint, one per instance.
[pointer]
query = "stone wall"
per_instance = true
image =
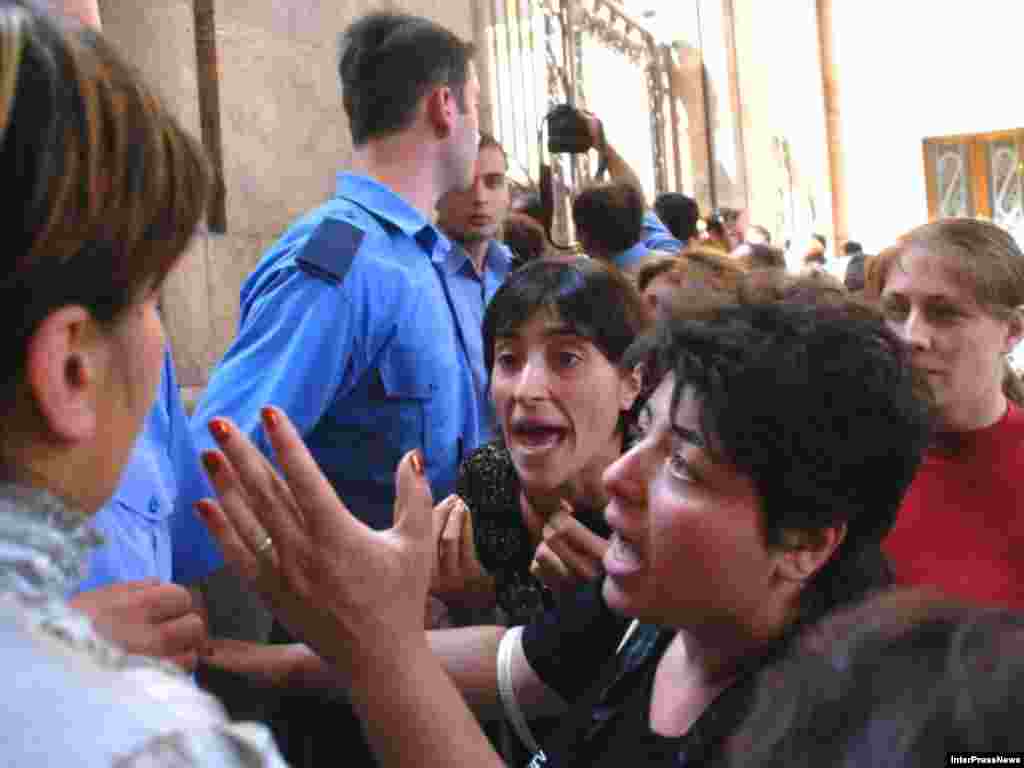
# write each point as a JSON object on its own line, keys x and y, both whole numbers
{"x": 283, "y": 131}
{"x": 783, "y": 117}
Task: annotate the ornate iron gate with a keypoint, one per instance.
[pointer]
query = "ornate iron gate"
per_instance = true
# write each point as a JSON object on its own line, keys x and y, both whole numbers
{"x": 542, "y": 52}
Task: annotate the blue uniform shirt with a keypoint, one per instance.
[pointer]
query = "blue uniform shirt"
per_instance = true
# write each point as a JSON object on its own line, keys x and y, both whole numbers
{"x": 654, "y": 236}
{"x": 471, "y": 293}
{"x": 149, "y": 526}
{"x": 348, "y": 325}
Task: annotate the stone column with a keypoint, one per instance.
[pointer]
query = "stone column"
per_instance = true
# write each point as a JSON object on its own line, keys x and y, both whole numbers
{"x": 833, "y": 124}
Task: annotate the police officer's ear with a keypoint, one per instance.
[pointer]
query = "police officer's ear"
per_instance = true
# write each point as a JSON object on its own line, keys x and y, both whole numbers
{"x": 442, "y": 109}
{"x": 63, "y": 366}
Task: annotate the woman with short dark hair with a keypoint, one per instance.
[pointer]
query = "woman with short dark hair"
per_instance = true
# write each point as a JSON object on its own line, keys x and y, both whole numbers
{"x": 554, "y": 336}
{"x": 770, "y": 460}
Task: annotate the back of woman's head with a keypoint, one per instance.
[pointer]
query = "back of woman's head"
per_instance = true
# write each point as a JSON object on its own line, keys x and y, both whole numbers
{"x": 703, "y": 276}
{"x": 593, "y": 299}
{"x": 107, "y": 189}
{"x": 903, "y": 679}
{"x": 760, "y": 256}
{"x": 809, "y": 287}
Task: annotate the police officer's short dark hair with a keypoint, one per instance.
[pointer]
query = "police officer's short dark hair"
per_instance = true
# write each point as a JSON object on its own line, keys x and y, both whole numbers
{"x": 388, "y": 62}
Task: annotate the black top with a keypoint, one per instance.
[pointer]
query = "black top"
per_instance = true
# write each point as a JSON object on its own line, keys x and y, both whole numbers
{"x": 489, "y": 485}
{"x": 614, "y": 729}
{"x": 608, "y": 724}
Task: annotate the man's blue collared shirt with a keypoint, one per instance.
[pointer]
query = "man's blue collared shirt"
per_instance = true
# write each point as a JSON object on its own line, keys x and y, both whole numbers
{"x": 149, "y": 526}
{"x": 349, "y": 326}
{"x": 630, "y": 257}
{"x": 654, "y": 236}
{"x": 471, "y": 293}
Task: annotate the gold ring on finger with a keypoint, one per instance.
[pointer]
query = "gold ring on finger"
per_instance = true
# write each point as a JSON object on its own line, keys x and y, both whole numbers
{"x": 265, "y": 546}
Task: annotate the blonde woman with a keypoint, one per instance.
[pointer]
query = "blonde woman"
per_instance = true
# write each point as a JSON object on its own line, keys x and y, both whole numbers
{"x": 952, "y": 289}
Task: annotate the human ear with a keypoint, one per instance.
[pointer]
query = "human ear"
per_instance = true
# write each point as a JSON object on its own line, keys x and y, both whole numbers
{"x": 630, "y": 389}
{"x": 1016, "y": 330}
{"x": 804, "y": 553}
{"x": 441, "y": 109}
{"x": 61, "y": 371}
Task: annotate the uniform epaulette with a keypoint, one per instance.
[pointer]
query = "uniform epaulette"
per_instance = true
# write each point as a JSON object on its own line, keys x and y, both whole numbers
{"x": 330, "y": 250}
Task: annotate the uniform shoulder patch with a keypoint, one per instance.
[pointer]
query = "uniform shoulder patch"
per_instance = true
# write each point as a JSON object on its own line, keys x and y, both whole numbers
{"x": 330, "y": 250}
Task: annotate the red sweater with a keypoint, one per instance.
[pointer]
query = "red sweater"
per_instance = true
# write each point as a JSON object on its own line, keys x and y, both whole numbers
{"x": 961, "y": 526}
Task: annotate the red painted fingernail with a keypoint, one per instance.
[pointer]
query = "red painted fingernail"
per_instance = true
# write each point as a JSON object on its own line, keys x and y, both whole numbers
{"x": 202, "y": 510}
{"x": 417, "y": 462}
{"x": 220, "y": 430}
{"x": 271, "y": 419}
{"x": 212, "y": 462}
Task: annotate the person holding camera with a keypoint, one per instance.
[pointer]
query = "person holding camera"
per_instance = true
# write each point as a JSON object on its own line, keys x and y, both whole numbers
{"x": 613, "y": 222}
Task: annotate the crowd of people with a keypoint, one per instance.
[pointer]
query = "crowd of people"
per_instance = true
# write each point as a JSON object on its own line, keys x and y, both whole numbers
{"x": 660, "y": 502}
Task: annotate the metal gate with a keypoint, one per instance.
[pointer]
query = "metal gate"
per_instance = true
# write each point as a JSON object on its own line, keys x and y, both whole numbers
{"x": 589, "y": 53}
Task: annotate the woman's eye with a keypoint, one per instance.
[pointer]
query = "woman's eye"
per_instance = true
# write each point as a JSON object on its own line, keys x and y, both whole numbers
{"x": 569, "y": 359}
{"x": 944, "y": 314}
{"x": 505, "y": 360}
{"x": 895, "y": 310}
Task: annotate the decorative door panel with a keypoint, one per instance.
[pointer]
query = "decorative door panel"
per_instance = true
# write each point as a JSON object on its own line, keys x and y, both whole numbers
{"x": 950, "y": 185}
{"x": 1005, "y": 167}
{"x": 978, "y": 175}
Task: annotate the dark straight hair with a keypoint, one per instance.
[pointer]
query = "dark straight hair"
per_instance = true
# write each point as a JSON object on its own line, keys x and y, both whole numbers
{"x": 595, "y": 300}
{"x": 388, "y": 62}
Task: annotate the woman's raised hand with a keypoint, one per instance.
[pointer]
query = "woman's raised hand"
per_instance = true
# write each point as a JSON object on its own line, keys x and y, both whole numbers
{"x": 348, "y": 591}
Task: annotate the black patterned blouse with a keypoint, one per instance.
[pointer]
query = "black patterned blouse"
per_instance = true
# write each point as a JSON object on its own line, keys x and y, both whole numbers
{"x": 489, "y": 485}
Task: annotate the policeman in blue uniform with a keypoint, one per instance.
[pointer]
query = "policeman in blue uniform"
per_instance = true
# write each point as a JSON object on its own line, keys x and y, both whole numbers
{"x": 149, "y": 528}
{"x": 347, "y": 323}
{"x": 153, "y": 546}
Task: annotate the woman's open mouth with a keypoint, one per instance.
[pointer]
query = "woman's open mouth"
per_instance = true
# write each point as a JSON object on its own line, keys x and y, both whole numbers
{"x": 536, "y": 437}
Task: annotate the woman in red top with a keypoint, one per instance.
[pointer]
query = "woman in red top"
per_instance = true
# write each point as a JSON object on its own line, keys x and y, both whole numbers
{"x": 952, "y": 289}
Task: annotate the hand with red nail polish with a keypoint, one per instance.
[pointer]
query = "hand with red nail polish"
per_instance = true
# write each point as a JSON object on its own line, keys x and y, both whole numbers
{"x": 352, "y": 593}
{"x": 220, "y": 430}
